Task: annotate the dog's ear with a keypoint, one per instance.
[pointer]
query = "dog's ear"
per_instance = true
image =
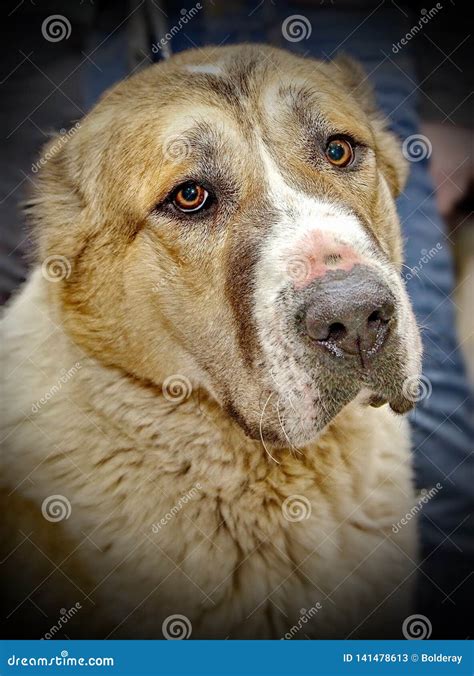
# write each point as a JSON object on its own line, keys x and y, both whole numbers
{"x": 53, "y": 204}
{"x": 356, "y": 81}
{"x": 72, "y": 202}
{"x": 388, "y": 145}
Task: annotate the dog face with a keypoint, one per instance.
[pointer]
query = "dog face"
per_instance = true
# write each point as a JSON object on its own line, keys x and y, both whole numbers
{"x": 229, "y": 216}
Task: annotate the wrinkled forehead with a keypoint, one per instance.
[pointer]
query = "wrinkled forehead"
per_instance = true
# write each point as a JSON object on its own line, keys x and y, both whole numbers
{"x": 221, "y": 103}
{"x": 212, "y": 120}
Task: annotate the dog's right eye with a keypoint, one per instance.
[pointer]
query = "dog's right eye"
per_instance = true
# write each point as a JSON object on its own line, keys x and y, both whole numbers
{"x": 190, "y": 197}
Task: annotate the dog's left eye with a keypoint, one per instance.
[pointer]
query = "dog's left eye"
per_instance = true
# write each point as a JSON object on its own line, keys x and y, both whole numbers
{"x": 190, "y": 197}
{"x": 339, "y": 152}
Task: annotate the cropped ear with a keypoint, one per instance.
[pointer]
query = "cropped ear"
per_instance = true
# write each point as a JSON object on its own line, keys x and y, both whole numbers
{"x": 387, "y": 145}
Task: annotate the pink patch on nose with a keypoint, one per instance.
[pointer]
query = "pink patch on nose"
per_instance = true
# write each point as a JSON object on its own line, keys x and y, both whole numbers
{"x": 315, "y": 255}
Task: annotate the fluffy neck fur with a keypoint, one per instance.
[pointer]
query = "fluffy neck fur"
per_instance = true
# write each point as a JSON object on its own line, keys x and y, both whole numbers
{"x": 125, "y": 456}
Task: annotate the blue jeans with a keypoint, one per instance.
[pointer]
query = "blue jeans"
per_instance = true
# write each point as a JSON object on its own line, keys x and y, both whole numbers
{"x": 441, "y": 423}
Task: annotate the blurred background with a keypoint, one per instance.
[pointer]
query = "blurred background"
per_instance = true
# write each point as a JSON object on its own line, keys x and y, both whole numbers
{"x": 59, "y": 57}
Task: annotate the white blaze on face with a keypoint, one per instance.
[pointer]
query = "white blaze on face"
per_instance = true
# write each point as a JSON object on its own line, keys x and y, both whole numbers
{"x": 310, "y": 237}
{"x": 205, "y": 68}
{"x": 307, "y": 236}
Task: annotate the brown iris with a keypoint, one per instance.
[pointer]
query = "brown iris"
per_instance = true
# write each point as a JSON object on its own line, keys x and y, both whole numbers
{"x": 190, "y": 197}
{"x": 339, "y": 152}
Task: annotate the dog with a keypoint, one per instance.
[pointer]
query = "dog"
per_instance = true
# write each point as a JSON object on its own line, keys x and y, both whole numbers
{"x": 207, "y": 369}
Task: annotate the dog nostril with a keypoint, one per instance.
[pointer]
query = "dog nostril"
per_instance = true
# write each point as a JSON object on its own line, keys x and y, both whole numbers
{"x": 375, "y": 317}
{"x": 360, "y": 331}
{"x": 381, "y": 316}
{"x": 337, "y": 331}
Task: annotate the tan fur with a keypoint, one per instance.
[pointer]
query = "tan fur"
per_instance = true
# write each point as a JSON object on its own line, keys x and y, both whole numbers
{"x": 146, "y": 300}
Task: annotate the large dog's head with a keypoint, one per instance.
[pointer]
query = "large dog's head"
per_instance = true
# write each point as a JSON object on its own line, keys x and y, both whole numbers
{"x": 229, "y": 216}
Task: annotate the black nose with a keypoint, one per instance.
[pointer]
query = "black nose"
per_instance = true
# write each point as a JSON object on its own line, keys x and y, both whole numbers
{"x": 349, "y": 313}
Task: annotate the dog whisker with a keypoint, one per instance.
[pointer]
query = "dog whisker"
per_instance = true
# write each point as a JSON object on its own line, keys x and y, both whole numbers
{"x": 292, "y": 446}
